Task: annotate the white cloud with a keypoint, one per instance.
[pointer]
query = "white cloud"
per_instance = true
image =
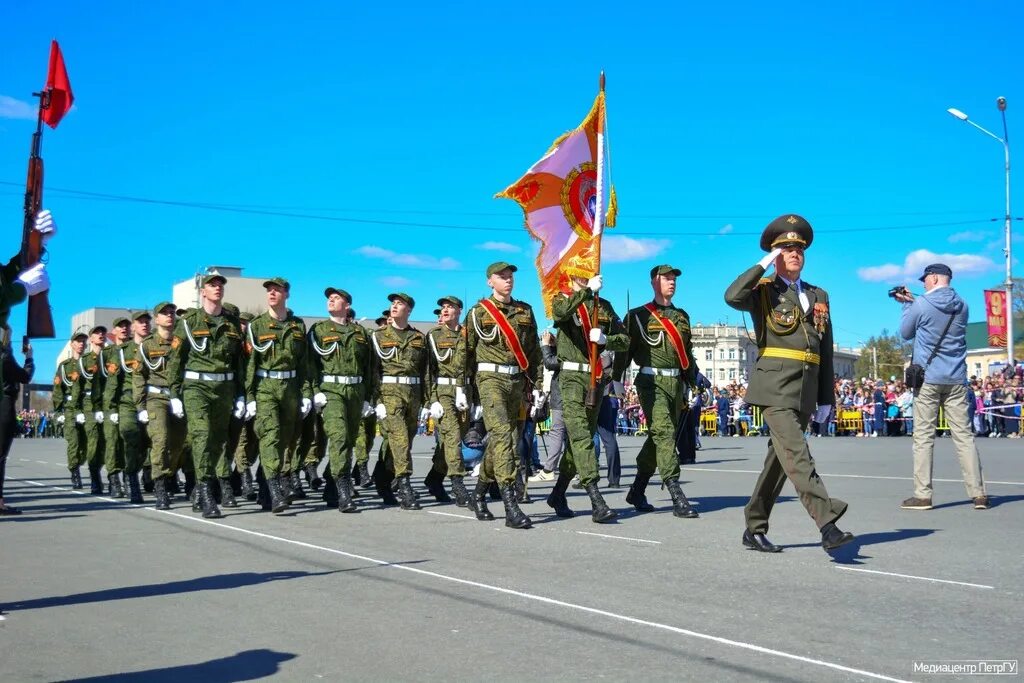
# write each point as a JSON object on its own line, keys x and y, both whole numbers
{"x": 11, "y": 108}
{"x": 726, "y": 229}
{"x": 620, "y": 249}
{"x": 395, "y": 281}
{"x": 499, "y": 246}
{"x": 963, "y": 265}
{"x": 412, "y": 260}
{"x": 968, "y": 236}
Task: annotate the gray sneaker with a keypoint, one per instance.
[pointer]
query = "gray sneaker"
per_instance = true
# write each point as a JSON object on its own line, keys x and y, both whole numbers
{"x": 981, "y": 503}
{"x": 917, "y": 504}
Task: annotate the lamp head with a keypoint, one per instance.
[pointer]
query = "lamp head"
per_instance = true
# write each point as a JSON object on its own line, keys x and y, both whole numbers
{"x": 957, "y": 113}
{"x": 1001, "y": 103}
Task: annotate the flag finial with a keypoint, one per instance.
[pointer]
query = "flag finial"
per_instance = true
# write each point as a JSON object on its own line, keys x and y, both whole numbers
{"x": 601, "y": 81}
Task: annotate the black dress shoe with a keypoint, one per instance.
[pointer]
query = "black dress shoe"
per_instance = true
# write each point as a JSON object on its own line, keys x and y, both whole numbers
{"x": 832, "y": 537}
{"x": 760, "y": 543}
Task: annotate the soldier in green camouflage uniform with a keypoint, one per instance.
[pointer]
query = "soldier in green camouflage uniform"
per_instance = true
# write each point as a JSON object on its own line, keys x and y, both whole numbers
{"x": 113, "y": 448}
{"x": 86, "y": 399}
{"x": 278, "y": 388}
{"x": 152, "y": 395}
{"x": 340, "y": 371}
{"x": 68, "y": 414}
{"x": 573, "y": 349}
{"x": 661, "y": 386}
{"x": 122, "y": 425}
{"x": 242, "y": 446}
{"x": 399, "y": 365}
{"x": 368, "y": 433}
{"x": 206, "y": 382}
{"x": 448, "y": 403}
{"x": 500, "y": 385}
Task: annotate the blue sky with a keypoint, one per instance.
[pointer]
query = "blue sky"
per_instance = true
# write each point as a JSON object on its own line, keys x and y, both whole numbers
{"x": 375, "y": 119}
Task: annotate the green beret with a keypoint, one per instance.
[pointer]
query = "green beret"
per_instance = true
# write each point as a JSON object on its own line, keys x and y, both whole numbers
{"x": 340, "y": 292}
{"x": 788, "y": 230}
{"x": 499, "y": 266}
{"x": 453, "y": 300}
{"x": 403, "y": 297}
{"x": 214, "y": 277}
{"x": 665, "y": 269}
{"x": 279, "y": 281}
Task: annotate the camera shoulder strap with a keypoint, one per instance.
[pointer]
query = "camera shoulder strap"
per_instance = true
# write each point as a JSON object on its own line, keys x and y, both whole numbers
{"x": 938, "y": 343}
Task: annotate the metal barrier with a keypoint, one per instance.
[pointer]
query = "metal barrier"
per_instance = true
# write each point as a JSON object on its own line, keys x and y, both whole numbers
{"x": 709, "y": 422}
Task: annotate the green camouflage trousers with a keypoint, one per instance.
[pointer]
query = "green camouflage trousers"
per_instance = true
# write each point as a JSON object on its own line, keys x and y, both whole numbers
{"x": 662, "y": 399}
{"x": 166, "y": 436}
{"x": 94, "y": 447}
{"x": 113, "y": 449}
{"x": 342, "y": 422}
{"x": 502, "y": 399}
{"x": 74, "y": 435}
{"x": 451, "y": 429}
{"x": 365, "y": 437}
{"x": 278, "y": 419}
{"x": 208, "y": 407}
{"x": 580, "y": 426}
{"x": 130, "y": 436}
{"x": 402, "y": 402}
{"x": 242, "y": 443}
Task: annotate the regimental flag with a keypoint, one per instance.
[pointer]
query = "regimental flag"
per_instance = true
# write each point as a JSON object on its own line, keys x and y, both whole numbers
{"x": 561, "y": 195}
{"x": 995, "y": 315}
{"x": 59, "y": 88}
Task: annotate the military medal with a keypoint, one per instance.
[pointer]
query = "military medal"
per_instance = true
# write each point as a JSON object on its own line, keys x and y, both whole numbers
{"x": 820, "y": 317}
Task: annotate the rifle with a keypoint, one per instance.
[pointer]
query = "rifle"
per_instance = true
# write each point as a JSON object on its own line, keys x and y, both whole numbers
{"x": 40, "y": 317}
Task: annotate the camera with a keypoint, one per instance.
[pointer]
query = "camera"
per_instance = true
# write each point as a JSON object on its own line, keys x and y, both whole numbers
{"x": 897, "y": 291}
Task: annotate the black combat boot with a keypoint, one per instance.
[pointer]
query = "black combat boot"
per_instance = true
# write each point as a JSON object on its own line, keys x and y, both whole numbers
{"x": 278, "y": 500}
{"x": 116, "y": 487}
{"x": 134, "y": 489}
{"x": 193, "y": 494}
{"x": 188, "y": 489}
{"x": 209, "y": 505}
{"x": 227, "y": 494}
{"x": 262, "y": 490}
{"x": 406, "y": 496}
{"x": 680, "y": 506}
{"x": 296, "y": 485}
{"x": 459, "y": 491}
{"x": 494, "y": 491}
{"x": 76, "y": 478}
{"x": 365, "y": 480}
{"x": 163, "y": 501}
{"x": 382, "y": 479}
{"x": 147, "y": 479}
{"x": 330, "y": 494}
{"x": 514, "y": 517}
{"x": 479, "y": 502}
{"x": 345, "y": 502}
{"x": 602, "y": 514}
{"x": 95, "y": 483}
{"x": 314, "y": 481}
{"x": 521, "y": 490}
{"x": 248, "y": 490}
{"x": 434, "y": 482}
{"x": 636, "y": 496}
{"x": 556, "y": 499}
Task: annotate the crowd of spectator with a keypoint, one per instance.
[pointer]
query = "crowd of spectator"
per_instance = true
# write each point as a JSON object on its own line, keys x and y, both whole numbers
{"x": 33, "y": 424}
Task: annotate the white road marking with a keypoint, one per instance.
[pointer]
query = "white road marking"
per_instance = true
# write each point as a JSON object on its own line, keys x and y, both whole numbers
{"x": 621, "y": 538}
{"x": 826, "y": 475}
{"x": 739, "y": 644}
{"x": 919, "y": 578}
{"x": 449, "y": 514}
{"x": 42, "y": 462}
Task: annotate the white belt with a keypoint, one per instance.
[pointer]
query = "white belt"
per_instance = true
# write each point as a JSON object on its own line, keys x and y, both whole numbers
{"x": 163, "y": 391}
{"x": 445, "y": 381}
{"x": 342, "y": 379}
{"x": 500, "y": 369}
{"x": 399, "y": 379}
{"x": 88, "y": 393}
{"x": 210, "y": 376}
{"x": 660, "y": 372}
{"x": 276, "y": 374}
{"x": 576, "y": 367}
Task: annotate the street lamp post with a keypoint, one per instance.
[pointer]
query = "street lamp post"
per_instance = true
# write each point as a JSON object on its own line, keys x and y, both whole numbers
{"x": 1005, "y": 140}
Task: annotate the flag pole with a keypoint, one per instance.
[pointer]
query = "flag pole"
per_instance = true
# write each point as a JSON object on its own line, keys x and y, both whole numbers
{"x": 592, "y": 399}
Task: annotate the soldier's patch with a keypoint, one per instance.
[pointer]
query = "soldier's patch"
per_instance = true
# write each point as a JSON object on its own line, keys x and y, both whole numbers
{"x": 158, "y": 353}
{"x": 387, "y": 344}
{"x": 133, "y": 364}
{"x": 175, "y": 343}
{"x": 416, "y": 342}
{"x": 73, "y": 376}
{"x": 200, "y": 333}
{"x": 231, "y": 334}
{"x": 298, "y": 335}
{"x": 331, "y": 338}
{"x": 446, "y": 344}
{"x": 463, "y": 332}
{"x": 265, "y": 337}
{"x": 111, "y": 368}
{"x": 360, "y": 338}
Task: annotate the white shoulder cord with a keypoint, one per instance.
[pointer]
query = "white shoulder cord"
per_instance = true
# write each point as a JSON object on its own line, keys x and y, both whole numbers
{"x": 652, "y": 341}
{"x": 103, "y": 366}
{"x": 84, "y": 373}
{"x": 255, "y": 346}
{"x": 191, "y": 340}
{"x": 480, "y": 333}
{"x": 124, "y": 367}
{"x": 383, "y": 356}
{"x": 64, "y": 376}
{"x": 145, "y": 359}
{"x": 440, "y": 358}
{"x": 323, "y": 352}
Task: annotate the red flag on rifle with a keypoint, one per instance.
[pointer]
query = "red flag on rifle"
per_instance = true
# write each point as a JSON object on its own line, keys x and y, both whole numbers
{"x": 59, "y": 87}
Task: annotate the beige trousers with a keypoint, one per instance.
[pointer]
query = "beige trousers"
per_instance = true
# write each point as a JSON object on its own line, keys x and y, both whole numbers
{"x": 953, "y": 400}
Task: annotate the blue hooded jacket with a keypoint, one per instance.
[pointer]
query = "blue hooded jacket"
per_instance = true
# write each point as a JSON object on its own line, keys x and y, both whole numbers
{"x": 923, "y": 321}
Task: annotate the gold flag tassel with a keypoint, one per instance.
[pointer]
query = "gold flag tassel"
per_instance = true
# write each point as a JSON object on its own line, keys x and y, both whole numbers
{"x": 613, "y": 209}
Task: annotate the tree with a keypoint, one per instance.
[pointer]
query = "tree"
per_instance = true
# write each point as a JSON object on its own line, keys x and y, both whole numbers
{"x": 892, "y": 353}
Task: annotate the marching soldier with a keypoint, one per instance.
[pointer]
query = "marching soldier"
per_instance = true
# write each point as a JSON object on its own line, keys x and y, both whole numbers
{"x": 366, "y": 436}
{"x": 152, "y": 395}
{"x": 793, "y": 374}
{"x": 205, "y": 370}
{"x": 502, "y": 352}
{"x": 659, "y": 342}
{"x": 278, "y": 388}
{"x": 119, "y": 403}
{"x": 340, "y": 373}
{"x": 66, "y": 410}
{"x": 86, "y": 398}
{"x": 242, "y": 443}
{"x": 448, "y": 403}
{"x": 573, "y": 316}
{"x": 112, "y": 445}
{"x": 398, "y": 367}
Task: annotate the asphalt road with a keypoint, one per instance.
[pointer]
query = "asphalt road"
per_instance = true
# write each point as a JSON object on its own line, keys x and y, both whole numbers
{"x": 98, "y": 590}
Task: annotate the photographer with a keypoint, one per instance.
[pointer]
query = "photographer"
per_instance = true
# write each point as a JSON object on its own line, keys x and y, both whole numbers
{"x": 937, "y": 323}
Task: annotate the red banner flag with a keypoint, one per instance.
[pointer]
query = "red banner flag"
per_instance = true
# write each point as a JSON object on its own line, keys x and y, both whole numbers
{"x": 58, "y": 87}
{"x": 995, "y": 315}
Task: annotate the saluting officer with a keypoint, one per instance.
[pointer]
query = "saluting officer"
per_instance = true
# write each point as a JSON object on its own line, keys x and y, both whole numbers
{"x": 501, "y": 350}
{"x": 278, "y": 387}
{"x": 340, "y": 372}
{"x": 399, "y": 366}
{"x": 793, "y": 374}
{"x": 205, "y": 370}
{"x": 573, "y": 316}
{"x": 119, "y": 404}
{"x": 660, "y": 343}
{"x": 448, "y": 403}
{"x": 68, "y": 412}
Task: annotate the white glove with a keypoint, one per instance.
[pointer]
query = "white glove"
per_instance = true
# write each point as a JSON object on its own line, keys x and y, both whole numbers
{"x": 618, "y": 389}
{"x": 144, "y": 416}
{"x": 239, "y": 412}
{"x": 424, "y": 414}
{"x": 177, "y": 409}
{"x": 367, "y": 409}
{"x": 306, "y": 406}
{"x": 319, "y": 400}
{"x": 114, "y": 417}
{"x": 45, "y": 225}
{"x": 381, "y": 411}
{"x": 534, "y": 410}
{"x": 35, "y": 279}
{"x": 60, "y": 419}
{"x": 98, "y": 415}
{"x": 80, "y": 418}
{"x": 460, "y": 400}
{"x": 478, "y": 413}
{"x": 594, "y": 284}
{"x": 436, "y": 410}
{"x": 250, "y": 410}
{"x": 538, "y": 399}
{"x": 598, "y": 336}
{"x": 770, "y": 258}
